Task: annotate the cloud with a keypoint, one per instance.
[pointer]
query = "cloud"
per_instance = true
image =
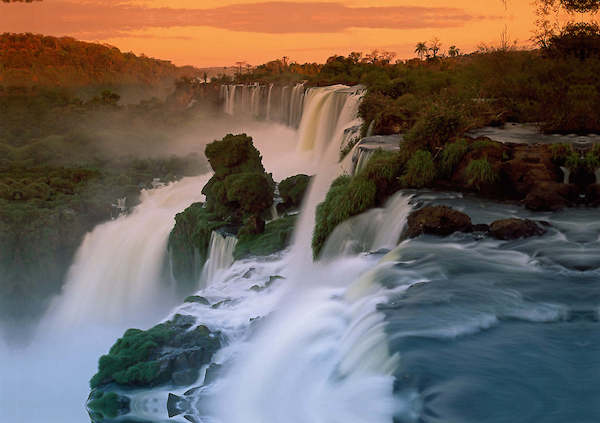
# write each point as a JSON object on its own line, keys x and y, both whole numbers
{"x": 102, "y": 18}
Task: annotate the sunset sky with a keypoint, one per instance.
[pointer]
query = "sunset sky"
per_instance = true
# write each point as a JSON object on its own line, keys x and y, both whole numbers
{"x": 221, "y": 32}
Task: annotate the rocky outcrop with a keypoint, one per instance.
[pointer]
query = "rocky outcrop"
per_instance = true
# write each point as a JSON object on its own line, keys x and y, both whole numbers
{"x": 292, "y": 192}
{"x": 550, "y": 196}
{"x": 437, "y": 220}
{"x": 170, "y": 353}
{"x": 509, "y": 229}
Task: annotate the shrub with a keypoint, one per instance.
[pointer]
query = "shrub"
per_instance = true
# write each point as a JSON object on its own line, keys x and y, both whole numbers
{"x": 292, "y": 190}
{"x": 347, "y": 197}
{"x": 384, "y": 168}
{"x": 420, "y": 170}
{"x": 451, "y": 156}
{"x": 437, "y": 126}
{"x": 250, "y": 193}
{"x": 480, "y": 172}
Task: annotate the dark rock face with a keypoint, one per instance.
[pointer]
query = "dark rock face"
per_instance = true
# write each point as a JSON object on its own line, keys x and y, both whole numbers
{"x": 550, "y": 196}
{"x": 437, "y": 220}
{"x": 507, "y": 229}
{"x": 593, "y": 195}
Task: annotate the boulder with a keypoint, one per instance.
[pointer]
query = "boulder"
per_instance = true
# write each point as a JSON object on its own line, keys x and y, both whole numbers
{"x": 507, "y": 229}
{"x": 437, "y": 220}
{"x": 550, "y": 196}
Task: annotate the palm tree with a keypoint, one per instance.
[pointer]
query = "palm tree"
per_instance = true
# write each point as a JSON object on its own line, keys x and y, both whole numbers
{"x": 453, "y": 51}
{"x": 421, "y": 50}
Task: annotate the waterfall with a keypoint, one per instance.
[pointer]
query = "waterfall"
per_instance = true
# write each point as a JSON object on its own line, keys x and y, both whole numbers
{"x": 269, "y": 98}
{"x": 322, "y": 356}
{"x": 566, "y": 174}
{"x": 328, "y": 113}
{"x": 373, "y": 230}
{"x": 220, "y": 256}
{"x": 362, "y": 159}
{"x": 257, "y": 101}
{"x": 118, "y": 270}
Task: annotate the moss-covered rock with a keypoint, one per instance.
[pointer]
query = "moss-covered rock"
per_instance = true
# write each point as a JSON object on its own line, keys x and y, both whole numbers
{"x": 107, "y": 405}
{"x": 239, "y": 187}
{"x": 292, "y": 191}
{"x": 276, "y": 237}
{"x": 169, "y": 353}
{"x": 189, "y": 242}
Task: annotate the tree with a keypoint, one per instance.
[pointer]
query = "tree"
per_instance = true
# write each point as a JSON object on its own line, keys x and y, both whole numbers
{"x": 421, "y": 50}
{"x": 205, "y": 76}
{"x": 435, "y": 47}
{"x": 453, "y": 51}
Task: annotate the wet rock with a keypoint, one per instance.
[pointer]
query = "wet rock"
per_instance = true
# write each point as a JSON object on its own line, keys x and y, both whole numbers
{"x": 507, "y": 229}
{"x": 550, "y": 196}
{"x": 196, "y": 299}
{"x": 437, "y": 220}
{"x": 169, "y": 353}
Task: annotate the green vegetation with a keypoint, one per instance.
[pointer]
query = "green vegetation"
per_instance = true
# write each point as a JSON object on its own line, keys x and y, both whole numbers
{"x": 480, "y": 173}
{"x": 276, "y": 237}
{"x": 144, "y": 358}
{"x": 292, "y": 191}
{"x": 32, "y": 59}
{"x": 451, "y": 156}
{"x": 107, "y": 405}
{"x": 420, "y": 170}
{"x": 239, "y": 188}
{"x": 347, "y": 197}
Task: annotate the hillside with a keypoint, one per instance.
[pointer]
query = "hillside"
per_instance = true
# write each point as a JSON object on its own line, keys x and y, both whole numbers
{"x": 44, "y": 61}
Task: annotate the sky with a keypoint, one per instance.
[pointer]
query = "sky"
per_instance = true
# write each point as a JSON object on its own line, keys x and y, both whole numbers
{"x": 221, "y": 32}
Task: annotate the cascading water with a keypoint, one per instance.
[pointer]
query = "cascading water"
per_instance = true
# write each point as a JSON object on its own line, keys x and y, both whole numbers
{"x": 373, "y": 230}
{"x": 277, "y": 104}
{"x": 220, "y": 255}
{"x": 117, "y": 272}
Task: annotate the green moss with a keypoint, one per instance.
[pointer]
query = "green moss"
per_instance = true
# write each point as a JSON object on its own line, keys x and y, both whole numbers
{"x": 276, "y": 237}
{"x": 144, "y": 358}
{"x": 347, "y": 197}
{"x": 108, "y": 405}
{"x": 234, "y": 154}
{"x": 451, "y": 156}
{"x": 420, "y": 170}
{"x": 480, "y": 172}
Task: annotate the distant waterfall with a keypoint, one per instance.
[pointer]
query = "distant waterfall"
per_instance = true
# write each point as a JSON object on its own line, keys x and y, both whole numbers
{"x": 281, "y": 104}
{"x": 220, "y": 255}
{"x": 118, "y": 269}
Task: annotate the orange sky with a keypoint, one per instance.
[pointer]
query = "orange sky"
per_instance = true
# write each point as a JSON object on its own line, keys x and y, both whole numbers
{"x": 221, "y": 32}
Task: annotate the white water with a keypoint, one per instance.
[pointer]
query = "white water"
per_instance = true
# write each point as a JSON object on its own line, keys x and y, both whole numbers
{"x": 220, "y": 256}
{"x": 373, "y": 230}
{"x": 328, "y": 113}
{"x": 116, "y": 275}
